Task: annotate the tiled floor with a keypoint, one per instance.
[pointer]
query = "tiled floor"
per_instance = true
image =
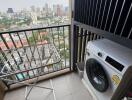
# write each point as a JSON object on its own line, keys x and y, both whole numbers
{"x": 67, "y": 87}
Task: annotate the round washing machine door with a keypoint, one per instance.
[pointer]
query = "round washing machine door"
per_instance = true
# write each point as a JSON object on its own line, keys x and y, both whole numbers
{"x": 96, "y": 75}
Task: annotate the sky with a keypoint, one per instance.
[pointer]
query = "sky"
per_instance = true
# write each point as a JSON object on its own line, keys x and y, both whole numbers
{"x": 20, "y": 4}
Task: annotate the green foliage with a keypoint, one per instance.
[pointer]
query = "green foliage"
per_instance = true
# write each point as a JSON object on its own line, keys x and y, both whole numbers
{"x": 45, "y": 37}
{"x": 65, "y": 54}
{"x": 33, "y": 38}
{"x": 35, "y": 35}
{"x": 61, "y": 45}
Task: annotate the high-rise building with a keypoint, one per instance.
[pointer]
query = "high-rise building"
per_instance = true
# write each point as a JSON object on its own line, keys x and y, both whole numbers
{"x": 10, "y": 10}
{"x": 38, "y": 9}
{"x": 34, "y": 17}
{"x": 66, "y": 11}
{"x": 58, "y": 10}
{"x": 46, "y": 8}
{"x": 33, "y": 9}
{"x": 55, "y": 10}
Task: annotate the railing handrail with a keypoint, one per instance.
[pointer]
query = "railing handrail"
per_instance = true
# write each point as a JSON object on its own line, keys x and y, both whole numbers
{"x": 30, "y": 29}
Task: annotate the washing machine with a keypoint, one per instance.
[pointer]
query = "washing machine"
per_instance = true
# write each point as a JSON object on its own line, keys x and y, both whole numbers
{"x": 105, "y": 64}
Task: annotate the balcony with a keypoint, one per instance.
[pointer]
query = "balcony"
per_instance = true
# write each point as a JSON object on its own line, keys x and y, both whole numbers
{"x": 44, "y": 58}
{"x": 27, "y": 54}
{"x": 43, "y": 54}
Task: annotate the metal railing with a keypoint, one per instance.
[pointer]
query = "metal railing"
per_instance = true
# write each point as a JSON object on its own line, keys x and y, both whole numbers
{"x": 81, "y": 37}
{"x": 113, "y": 16}
{"x": 24, "y": 53}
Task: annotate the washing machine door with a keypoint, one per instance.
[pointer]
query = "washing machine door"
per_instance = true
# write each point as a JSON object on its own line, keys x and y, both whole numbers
{"x": 97, "y": 75}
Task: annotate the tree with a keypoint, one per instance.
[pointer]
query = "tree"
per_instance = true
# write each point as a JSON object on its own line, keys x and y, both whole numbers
{"x": 33, "y": 38}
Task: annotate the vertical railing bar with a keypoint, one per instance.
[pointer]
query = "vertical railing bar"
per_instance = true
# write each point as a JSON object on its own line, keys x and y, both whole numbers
{"x": 79, "y": 35}
{"x": 30, "y": 51}
{"x": 95, "y": 37}
{"x": 78, "y": 10}
{"x": 126, "y": 20}
{"x": 92, "y": 36}
{"x": 50, "y": 30}
{"x": 78, "y": 44}
{"x": 5, "y": 83}
{"x": 64, "y": 45}
{"x": 103, "y": 14}
{"x": 75, "y": 49}
{"x": 9, "y": 51}
{"x": 17, "y": 53}
{"x": 76, "y": 17}
{"x": 84, "y": 45}
{"x": 80, "y": 48}
{"x": 42, "y": 47}
{"x": 108, "y": 14}
{"x": 99, "y": 37}
{"x": 119, "y": 16}
{"x": 7, "y": 46}
{"x": 69, "y": 27}
{"x": 99, "y": 13}
{"x": 25, "y": 54}
{"x": 89, "y": 35}
{"x": 4, "y": 55}
{"x": 89, "y": 12}
{"x": 49, "y": 48}
{"x": 37, "y": 49}
{"x": 84, "y": 19}
{"x": 81, "y": 17}
{"x": 113, "y": 15}
{"x": 52, "y": 36}
{"x": 92, "y": 12}
{"x": 129, "y": 33}
{"x": 95, "y": 13}
{"x": 58, "y": 29}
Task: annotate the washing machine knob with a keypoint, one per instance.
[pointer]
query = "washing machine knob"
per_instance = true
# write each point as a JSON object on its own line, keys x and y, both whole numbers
{"x": 99, "y": 54}
{"x": 88, "y": 53}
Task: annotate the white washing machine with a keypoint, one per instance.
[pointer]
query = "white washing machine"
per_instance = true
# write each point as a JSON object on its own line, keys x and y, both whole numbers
{"x": 105, "y": 64}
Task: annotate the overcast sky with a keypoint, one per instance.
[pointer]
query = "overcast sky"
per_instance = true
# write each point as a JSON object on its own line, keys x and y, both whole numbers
{"x": 20, "y": 4}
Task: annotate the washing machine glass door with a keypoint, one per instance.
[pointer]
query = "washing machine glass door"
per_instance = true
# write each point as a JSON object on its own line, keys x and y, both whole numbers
{"x": 97, "y": 75}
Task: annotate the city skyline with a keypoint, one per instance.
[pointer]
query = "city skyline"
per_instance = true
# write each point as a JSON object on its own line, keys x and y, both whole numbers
{"x": 26, "y": 4}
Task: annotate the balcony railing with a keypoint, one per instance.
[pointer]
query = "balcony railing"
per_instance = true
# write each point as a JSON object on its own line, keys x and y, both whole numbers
{"x": 26, "y": 54}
